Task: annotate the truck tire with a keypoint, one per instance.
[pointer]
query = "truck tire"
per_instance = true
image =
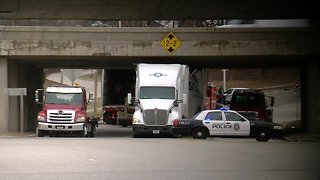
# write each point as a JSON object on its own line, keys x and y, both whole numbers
{"x": 84, "y": 132}
{"x": 40, "y": 133}
{"x": 263, "y": 135}
{"x": 124, "y": 123}
{"x": 200, "y": 133}
{"x": 93, "y": 130}
{"x": 138, "y": 135}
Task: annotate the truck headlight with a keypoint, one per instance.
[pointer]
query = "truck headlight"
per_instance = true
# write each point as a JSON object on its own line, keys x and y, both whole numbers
{"x": 279, "y": 127}
{"x": 41, "y": 118}
{"x": 81, "y": 119}
{"x": 136, "y": 121}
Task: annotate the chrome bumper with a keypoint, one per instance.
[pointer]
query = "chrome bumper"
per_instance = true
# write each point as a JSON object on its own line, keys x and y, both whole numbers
{"x": 60, "y": 127}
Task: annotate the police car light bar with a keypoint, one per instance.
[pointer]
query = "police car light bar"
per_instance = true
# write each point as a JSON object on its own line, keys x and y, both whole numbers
{"x": 224, "y": 109}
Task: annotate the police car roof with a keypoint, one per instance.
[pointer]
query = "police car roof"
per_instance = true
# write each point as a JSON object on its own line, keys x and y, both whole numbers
{"x": 219, "y": 110}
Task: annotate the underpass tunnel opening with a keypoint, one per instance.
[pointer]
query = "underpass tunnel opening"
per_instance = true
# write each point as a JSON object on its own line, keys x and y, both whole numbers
{"x": 283, "y": 84}
{"x": 293, "y": 81}
{"x": 274, "y": 81}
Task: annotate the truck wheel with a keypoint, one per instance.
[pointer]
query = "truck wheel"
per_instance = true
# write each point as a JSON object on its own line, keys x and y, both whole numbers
{"x": 137, "y": 135}
{"x": 84, "y": 132}
{"x": 124, "y": 124}
{"x": 93, "y": 131}
{"x": 263, "y": 135}
{"x": 200, "y": 133}
{"x": 40, "y": 133}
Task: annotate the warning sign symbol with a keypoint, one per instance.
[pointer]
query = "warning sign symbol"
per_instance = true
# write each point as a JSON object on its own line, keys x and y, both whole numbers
{"x": 170, "y": 43}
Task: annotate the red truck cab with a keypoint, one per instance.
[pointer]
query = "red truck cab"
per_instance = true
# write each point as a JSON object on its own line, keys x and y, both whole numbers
{"x": 254, "y": 101}
{"x": 63, "y": 111}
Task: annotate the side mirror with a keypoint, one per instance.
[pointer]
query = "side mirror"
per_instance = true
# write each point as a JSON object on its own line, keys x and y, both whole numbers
{"x": 184, "y": 99}
{"x": 129, "y": 98}
{"x": 176, "y": 103}
{"x": 272, "y": 102}
{"x": 39, "y": 96}
{"x": 90, "y": 100}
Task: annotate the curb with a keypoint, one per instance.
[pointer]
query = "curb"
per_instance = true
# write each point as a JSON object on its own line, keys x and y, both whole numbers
{"x": 286, "y": 138}
{"x": 11, "y": 135}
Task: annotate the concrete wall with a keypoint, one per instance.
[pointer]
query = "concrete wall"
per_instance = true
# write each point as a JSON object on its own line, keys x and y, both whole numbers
{"x": 14, "y": 74}
{"x": 14, "y": 101}
{"x": 4, "y": 110}
{"x": 311, "y": 96}
{"x": 141, "y": 42}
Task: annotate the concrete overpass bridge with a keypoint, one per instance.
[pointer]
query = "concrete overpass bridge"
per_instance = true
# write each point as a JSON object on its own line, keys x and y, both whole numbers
{"x": 25, "y": 51}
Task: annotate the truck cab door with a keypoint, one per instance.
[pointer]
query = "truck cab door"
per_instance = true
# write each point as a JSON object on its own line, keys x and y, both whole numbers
{"x": 214, "y": 122}
{"x": 236, "y": 125}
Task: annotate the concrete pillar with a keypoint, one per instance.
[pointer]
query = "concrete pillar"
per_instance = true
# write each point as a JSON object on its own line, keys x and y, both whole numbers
{"x": 14, "y": 103}
{"x": 23, "y": 76}
{"x": 311, "y": 97}
{"x": 4, "y": 100}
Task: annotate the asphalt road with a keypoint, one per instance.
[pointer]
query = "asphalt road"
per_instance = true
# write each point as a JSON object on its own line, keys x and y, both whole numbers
{"x": 114, "y": 154}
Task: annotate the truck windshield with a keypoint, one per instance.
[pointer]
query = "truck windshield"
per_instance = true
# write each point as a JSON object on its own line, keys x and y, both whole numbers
{"x": 63, "y": 98}
{"x": 157, "y": 93}
{"x": 249, "y": 100}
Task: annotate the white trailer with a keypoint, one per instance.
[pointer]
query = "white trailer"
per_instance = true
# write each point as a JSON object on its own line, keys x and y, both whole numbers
{"x": 161, "y": 96}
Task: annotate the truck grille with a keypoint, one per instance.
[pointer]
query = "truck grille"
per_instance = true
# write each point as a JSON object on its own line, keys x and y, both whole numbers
{"x": 155, "y": 117}
{"x": 61, "y": 116}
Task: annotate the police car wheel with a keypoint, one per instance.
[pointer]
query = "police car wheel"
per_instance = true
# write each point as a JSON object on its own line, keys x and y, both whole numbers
{"x": 200, "y": 133}
{"x": 263, "y": 135}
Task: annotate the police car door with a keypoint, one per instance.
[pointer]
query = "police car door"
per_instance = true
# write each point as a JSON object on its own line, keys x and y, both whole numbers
{"x": 214, "y": 122}
{"x": 236, "y": 125}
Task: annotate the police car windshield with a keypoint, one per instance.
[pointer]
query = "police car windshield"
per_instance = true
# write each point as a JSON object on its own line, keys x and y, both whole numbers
{"x": 63, "y": 98}
{"x": 157, "y": 92}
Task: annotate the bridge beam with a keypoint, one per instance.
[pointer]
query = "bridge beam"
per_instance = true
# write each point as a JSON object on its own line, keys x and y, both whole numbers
{"x": 145, "y": 42}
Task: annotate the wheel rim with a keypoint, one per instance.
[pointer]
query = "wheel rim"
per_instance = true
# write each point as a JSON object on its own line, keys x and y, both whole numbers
{"x": 263, "y": 134}
{"x": 199, "y": 134}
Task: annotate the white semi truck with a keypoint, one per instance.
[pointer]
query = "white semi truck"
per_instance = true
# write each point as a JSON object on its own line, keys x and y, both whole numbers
{"x": 162, "y": 94}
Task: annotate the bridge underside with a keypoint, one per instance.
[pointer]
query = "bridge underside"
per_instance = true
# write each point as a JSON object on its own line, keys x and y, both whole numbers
{"x": 157, "y": 9}
{"x": 125, "y": 62}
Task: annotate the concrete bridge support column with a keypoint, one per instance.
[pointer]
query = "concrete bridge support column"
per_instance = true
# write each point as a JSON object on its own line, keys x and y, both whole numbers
{"x": 21, "y": 76}
{"x": 311, "y": 97}
{"x": 4, "y": 100}
{"x": 24, "y": 76}
{"x": 14, "y": 101}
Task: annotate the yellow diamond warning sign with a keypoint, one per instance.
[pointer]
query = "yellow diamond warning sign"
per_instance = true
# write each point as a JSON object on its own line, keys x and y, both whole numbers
{"x": 170, "y": 43}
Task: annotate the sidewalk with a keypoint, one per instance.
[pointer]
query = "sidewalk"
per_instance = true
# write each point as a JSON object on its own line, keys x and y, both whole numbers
{"x": 302, "y": 137}
{"x": 17, "y": 134}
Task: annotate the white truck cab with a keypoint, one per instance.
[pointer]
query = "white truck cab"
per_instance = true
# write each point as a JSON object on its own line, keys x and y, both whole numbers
{"x": 160, "y": 97}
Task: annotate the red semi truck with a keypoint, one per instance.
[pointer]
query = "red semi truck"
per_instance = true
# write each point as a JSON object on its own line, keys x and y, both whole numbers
{"x": 253, "y": 104}
{"x": 64, "y": 112}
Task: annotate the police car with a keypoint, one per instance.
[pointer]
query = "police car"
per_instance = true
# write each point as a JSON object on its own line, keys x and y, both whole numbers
{"x": 225, "y": 122}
